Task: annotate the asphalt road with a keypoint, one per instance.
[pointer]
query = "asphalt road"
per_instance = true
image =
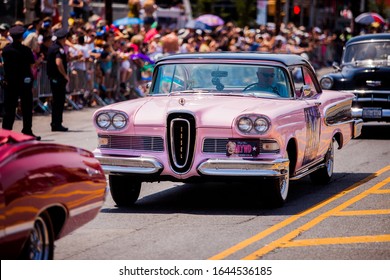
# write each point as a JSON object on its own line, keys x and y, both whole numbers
{"x": 346, "y": 219}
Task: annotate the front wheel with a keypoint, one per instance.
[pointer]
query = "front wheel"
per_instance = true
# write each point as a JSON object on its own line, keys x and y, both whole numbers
{"x": 124, "y": 190}
{"x": 324, "y": 174}
{"x": 277, "y": 192}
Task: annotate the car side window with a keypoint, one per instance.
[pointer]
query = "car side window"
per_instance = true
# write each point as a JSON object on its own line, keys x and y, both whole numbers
{"x": 302, "y": 79}
{"x": 171, "y": 79}
{"x": 297, "y": 76}
{"x": 308, "y": 79}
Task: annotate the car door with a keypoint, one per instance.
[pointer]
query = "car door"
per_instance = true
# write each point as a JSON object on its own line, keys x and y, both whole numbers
{"x": 307, "y": 94}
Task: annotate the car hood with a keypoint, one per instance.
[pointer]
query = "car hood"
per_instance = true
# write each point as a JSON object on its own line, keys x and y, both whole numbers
{"x": 209, "y": 110}
{"x": 360, "y": 75}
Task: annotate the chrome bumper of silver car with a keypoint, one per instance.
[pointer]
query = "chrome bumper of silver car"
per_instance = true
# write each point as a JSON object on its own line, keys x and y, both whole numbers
{"x": 358, "y": 113}
{"x": 138, "y": 165}
{"x": 237, "y": 167}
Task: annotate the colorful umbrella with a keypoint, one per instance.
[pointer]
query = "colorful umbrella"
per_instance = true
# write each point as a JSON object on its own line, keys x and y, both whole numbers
{"x": 127, "y": 21}
{"x": 195, "y": 24}
{"x": 368, "y": 18}
{"x": 210, "y": 20}
{"x": 141, "y": 56}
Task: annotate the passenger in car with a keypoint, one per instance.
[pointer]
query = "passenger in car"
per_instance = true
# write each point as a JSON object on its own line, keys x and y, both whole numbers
{"x": 371, "y": 53}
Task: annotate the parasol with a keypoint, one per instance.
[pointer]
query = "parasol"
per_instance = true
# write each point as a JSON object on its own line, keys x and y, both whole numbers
{"x": 369, "y": 18}
{"x": 127, "y": 21}
{"x": 210, "y": 20}
{"x": 195, "y": 24}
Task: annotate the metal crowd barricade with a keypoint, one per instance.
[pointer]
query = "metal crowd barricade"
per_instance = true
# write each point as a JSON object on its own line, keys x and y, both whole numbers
{"x": 78, "y": 86}
{"x": 1, "y": 100}
{"x": 43, "y": 90}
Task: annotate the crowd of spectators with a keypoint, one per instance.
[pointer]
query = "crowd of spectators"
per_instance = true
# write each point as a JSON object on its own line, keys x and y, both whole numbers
{"x": 115, "y": 62}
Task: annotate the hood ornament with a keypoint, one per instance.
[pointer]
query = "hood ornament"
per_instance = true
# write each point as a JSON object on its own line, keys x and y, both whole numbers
{"x": 182, "y": 101}
{"x": 373, "y": 83}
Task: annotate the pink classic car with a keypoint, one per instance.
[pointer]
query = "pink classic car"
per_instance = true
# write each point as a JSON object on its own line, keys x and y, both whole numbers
{"x": 228, "y": 117}
{"x": 46, "y": 191}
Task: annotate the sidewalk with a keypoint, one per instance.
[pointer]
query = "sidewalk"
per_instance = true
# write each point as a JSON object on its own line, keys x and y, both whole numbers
{"x": 81, "y": 132}
{"x": 325, "y": 70}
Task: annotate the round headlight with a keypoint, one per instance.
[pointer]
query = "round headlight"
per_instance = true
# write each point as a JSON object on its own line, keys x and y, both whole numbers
{"x": 261, "y": 125}
{"x": 119, "y": 121}
{"x": 326, "y": 83}
{"x": 245, "y": 124}
{"x": 103, "y": 120}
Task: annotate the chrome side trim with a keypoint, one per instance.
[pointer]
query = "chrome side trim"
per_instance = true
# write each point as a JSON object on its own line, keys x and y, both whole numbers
{"x": 357, "y": 128}
{"x": 338, "y": 113}
{"x": 17, "y": 228}
{"x": 237, "y": 167}
{"x": 86, "y": 208}
{"x": 139, "y": 165}
{"x": 308, "y": 166}
{"x": 306, "y": 172}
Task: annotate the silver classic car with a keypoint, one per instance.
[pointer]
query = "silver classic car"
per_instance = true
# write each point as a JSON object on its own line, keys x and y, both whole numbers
{"x": 365, "y": 72}
{"x": 225, "y": 117}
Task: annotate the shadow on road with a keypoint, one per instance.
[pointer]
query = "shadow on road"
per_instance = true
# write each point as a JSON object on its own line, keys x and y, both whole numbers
{"x": 236, "y": 198}
{"x": 375, "y": 131}
{"x": 245, "y": 198}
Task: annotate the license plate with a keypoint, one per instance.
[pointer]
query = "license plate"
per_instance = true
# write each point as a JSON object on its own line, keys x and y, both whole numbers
{"x": 372, "y": 113}
{"x": 242, "y": 148}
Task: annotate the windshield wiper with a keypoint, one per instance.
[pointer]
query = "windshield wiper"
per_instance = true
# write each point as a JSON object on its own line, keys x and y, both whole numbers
{"x": 189, "y": 91}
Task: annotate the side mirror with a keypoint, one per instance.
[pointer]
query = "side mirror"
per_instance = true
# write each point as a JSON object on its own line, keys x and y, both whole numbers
{"x": 336, "y": 66}
{"x": 147, "y": 87}
{"x": 305, "y": 91}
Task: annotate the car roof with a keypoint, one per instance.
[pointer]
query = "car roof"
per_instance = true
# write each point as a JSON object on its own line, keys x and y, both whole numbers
{"x": 286, "y": 59}
{"x": 368, "y": 37}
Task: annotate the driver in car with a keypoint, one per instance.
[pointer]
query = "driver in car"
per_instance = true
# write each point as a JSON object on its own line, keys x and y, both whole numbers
{"x": 267, "y": 82}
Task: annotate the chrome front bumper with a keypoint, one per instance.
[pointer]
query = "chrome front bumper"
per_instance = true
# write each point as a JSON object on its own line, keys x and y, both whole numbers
{"x": 232, "y": 167}
{"x": 211, "y": 167}
{"x": 135, "y": 165}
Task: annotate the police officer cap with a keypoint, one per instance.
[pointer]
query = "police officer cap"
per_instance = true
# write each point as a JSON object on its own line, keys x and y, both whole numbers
{"x": 61, "y": 33}
{"x": 16, "y": 31}
{"x": 4, "y": 26}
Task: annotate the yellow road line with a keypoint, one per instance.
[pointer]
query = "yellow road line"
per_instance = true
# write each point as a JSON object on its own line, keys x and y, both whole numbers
{"x": 337, "y": 240}
{"x": 288, "y": 237}
{"x": 384, "y": 191}
{"x": 363, "y": 212}
{"x": 292, "y": 219}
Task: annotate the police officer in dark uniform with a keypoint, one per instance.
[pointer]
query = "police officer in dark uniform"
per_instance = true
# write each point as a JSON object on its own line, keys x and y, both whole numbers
{"x": 18, "y": 76}
{"x": 57, "y": 71}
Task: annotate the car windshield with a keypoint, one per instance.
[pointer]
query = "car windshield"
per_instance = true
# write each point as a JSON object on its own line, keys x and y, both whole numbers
{"x": 365, "y": 52}
{"x": 238, "y": 79}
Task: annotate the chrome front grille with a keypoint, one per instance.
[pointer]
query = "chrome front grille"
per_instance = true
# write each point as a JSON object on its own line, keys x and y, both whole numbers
{"x": 371, "y": 99}
{"x": 218, "y": 146}
{"x": 140, "y": 143}
{"x": 215, "y": 146}
{"x": 181, "y": 141}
